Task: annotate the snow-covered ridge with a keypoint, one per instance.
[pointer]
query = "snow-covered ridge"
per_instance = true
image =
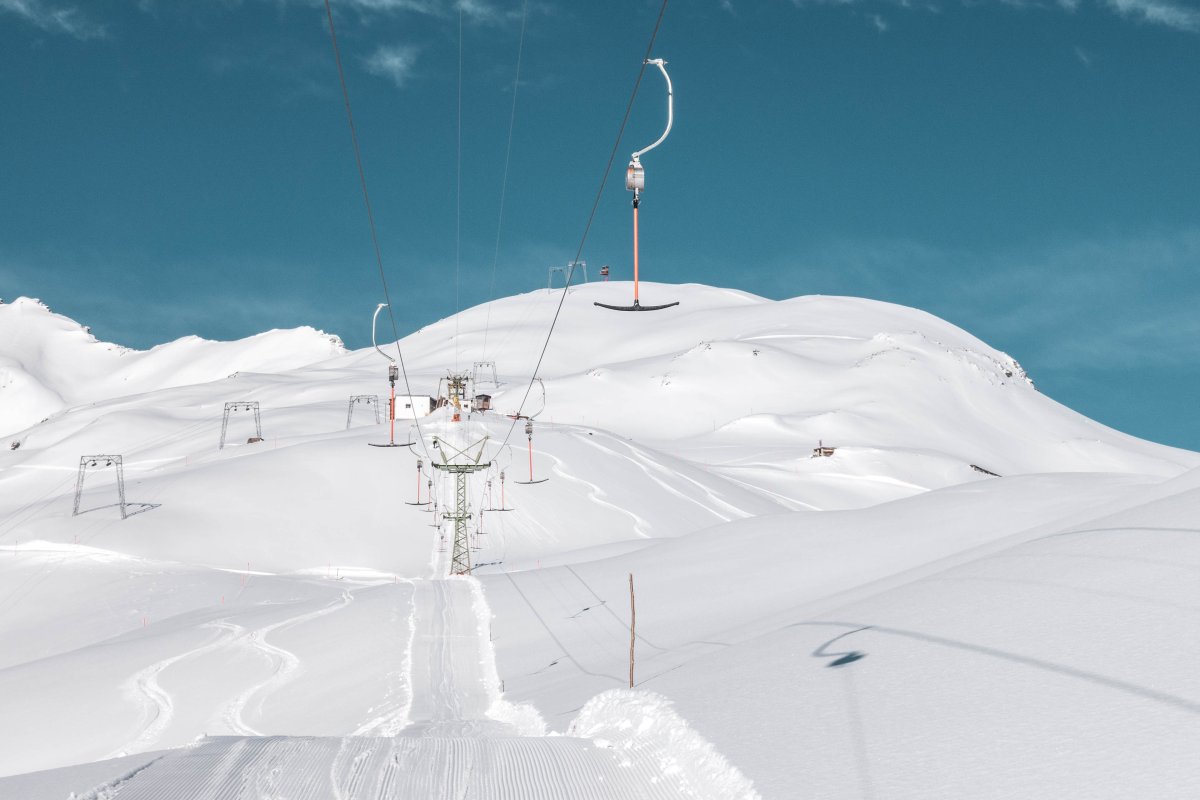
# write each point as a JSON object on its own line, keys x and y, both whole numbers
{"x": 49, "y": 362}
{"x": 917, "y": 398}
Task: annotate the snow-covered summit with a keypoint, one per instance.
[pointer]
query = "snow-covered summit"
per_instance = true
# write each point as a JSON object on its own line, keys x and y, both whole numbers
{"x": 899, "y": 392}
{"x": 49, "y": 362}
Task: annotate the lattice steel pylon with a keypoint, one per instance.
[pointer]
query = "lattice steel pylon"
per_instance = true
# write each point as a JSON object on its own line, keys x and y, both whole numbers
{"x": 461, "y": 464}
{"x": 101, "y": 461}
{"x": 457, "y": 393}
{"x": 241, "y": 405}
{"x": 366, "y": 399}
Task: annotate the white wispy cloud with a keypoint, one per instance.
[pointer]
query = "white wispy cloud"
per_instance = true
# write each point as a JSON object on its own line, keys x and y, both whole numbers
{"x": 1171, "y": 13}
{"x": 55, "y": 18}
{"x": 394, "y": 62}
{"x": 478, "y": 11}
{"x": 1162, "y": 12}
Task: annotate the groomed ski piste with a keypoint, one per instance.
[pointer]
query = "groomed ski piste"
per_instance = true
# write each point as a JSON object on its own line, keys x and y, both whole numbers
{"x": 971, "y": 592}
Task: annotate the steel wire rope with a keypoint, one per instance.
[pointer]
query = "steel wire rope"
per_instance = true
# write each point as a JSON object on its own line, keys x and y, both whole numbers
{"x": 551, "y": 587}
{"x": 92, "y": 528}
{"x": 483, "y": 492}
{"x": 14, "y": 517}
{"x": 362, "y": 179}
{"x": 457, "y": 199}
{"x": 512, "y": 121}
{"x": 604, "y": 602}
{"x": 591, "y": 218}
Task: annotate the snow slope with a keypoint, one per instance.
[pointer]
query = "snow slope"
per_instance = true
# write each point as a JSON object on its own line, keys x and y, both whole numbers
{"x": 49, "y": 362}
{"x": 285, "y": 589}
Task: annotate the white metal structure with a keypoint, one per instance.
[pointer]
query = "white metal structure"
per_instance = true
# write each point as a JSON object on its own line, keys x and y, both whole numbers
{"x": 635, "y": 176}
{"x": 568, "y": 273}
{"x": 379, "y": 308}
{"x": 635, "y": 181}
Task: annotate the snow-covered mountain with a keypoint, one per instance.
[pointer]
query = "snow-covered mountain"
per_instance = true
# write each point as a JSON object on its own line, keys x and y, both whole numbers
{"x": 49, "y": 362}
{"x": 999, "y": 576}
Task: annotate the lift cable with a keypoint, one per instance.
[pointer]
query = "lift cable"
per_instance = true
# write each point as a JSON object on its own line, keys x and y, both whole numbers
{"x": 337, "y": 56}
{"x": 512, "y": 119}
{"x": 591, "y": 217}
{"x": 458, "y": 198}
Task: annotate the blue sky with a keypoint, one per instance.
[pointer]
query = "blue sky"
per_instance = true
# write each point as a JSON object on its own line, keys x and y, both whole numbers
{"x": 1028, "y": 170}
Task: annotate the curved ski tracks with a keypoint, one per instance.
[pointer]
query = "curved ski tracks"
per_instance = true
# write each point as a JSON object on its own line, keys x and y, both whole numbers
{"x": 159, "y": 708}
{"x": 287, "y": 664}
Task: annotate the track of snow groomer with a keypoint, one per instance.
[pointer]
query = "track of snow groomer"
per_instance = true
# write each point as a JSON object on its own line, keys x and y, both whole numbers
{"x": 451, "y": 747}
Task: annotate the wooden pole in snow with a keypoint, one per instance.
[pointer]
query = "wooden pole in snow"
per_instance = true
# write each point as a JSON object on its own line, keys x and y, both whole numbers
{"x": 632, "y": 628}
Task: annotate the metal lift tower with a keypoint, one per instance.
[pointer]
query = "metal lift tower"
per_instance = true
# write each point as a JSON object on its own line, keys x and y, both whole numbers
{"x": 460, "y": 464}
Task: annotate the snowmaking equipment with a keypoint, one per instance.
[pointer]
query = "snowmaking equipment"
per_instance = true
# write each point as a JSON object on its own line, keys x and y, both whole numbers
{"x": 635, "y": 181}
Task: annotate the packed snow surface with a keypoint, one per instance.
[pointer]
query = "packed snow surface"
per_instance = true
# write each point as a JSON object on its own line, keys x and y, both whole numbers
{"x": 869, "y": 559}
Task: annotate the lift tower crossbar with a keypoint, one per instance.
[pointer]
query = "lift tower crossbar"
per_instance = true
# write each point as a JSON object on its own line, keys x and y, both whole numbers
{"x": 100, "y": 462}
{"x": 460, "y": 464}
{"x": 241, "y": 405}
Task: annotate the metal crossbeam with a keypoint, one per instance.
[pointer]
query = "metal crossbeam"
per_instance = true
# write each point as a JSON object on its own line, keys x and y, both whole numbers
{"x": 371, "y": 400}
{"x": 100, "y": 462}
{"x": 241, "y": 405}
{"x": 460, "y": 465}
{"x": 567, "y": 272}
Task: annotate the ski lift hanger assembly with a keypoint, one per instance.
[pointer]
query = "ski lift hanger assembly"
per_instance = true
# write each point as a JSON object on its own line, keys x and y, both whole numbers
{"x": 529, "y": 434}
{"x": 393, "y": 376}
{"x": 635, "y": 181}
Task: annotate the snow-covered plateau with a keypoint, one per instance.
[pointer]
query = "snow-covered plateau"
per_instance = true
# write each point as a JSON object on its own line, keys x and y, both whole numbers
{"x": 869, "y": 560}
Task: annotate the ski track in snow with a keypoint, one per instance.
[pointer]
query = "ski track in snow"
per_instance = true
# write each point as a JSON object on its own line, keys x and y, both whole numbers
{"x": 632, "y": 456}
{"x": 598, "y": 495}
{"x": 160, "y": 706}
{"x": 449, "y": 686}
{"x": 365, "y": 768}
{"x": 396, "y": 712}
{"x": 787, "y": 502}
{"x": 649, "y": 465}
{"x": 286, "y": 666}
